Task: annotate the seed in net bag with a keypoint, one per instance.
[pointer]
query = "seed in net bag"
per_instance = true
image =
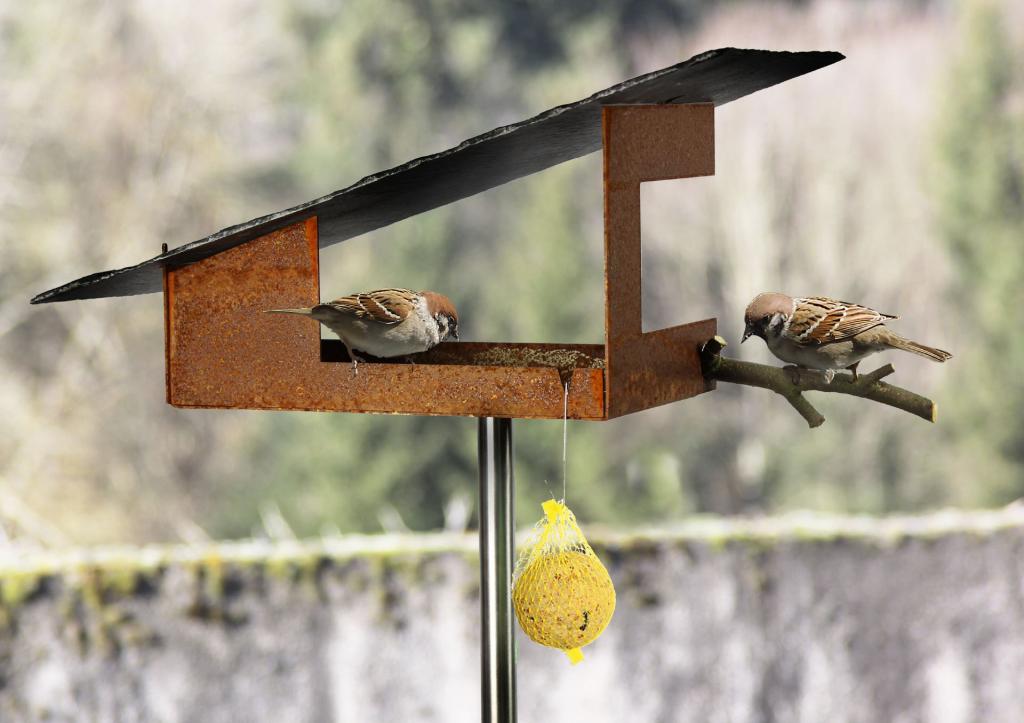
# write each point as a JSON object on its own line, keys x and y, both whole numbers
{"x": 562, "y": 593}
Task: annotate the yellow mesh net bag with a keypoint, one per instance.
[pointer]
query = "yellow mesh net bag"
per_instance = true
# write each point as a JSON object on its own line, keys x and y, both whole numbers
{"x": 561, "y": 592}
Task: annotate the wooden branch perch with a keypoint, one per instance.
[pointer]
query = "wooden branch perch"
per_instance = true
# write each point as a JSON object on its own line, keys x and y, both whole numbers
{"x": 780, "y": 381}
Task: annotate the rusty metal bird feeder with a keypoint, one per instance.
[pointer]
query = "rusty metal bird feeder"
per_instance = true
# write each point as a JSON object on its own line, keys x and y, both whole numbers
{"x": 223, "y": 352}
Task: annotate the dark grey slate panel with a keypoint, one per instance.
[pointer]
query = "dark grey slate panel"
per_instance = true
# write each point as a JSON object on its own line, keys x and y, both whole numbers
{"x": 483, "y": 162}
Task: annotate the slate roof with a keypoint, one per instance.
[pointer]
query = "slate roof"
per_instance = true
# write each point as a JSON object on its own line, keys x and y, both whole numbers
{"x": 485, "y": 161}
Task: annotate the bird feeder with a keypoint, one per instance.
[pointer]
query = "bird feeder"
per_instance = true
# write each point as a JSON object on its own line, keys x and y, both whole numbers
{"x": 223, "y": 352}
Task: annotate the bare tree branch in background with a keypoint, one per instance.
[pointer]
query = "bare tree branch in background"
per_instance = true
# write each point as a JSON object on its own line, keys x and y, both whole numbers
{"x": 867, "y": 386}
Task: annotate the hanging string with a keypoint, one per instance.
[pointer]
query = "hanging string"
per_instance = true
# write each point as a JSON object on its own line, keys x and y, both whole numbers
{"x": 565, "y": 435}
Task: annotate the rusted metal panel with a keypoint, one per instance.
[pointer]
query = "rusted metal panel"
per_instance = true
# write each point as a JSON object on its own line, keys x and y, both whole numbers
{"x": 648, "y": 143}
{"x": 224, "y": 352}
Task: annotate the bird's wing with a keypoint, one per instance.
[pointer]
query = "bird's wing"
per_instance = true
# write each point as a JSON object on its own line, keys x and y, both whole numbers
{"x": 820, "y": 320}
{"x": 384, "y": 306}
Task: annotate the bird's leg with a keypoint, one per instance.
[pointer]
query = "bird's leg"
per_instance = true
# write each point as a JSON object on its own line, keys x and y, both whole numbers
{"x": 354, "y": 357}
{"x": 853, "y": 368}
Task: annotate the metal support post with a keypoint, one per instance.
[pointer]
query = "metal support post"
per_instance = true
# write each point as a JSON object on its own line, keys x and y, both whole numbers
{"x": 497, "y": 550}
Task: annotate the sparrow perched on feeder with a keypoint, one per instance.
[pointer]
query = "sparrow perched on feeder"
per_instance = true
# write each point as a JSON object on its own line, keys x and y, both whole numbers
{"x": 386, "y": 322}
{"x": 817, "y": 332}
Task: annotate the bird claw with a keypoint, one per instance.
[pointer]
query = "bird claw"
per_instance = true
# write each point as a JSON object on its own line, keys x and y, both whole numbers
{"x": 355, "y": 361}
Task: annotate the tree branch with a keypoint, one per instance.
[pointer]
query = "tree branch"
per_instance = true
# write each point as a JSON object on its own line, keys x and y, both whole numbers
{"x": 780, "y": 381}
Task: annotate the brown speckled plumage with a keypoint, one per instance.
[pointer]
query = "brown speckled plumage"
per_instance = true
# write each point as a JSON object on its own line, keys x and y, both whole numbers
{"x": 819, "y": 332}
{"x": 821, "y": 320}
{"x": 383, "y": 306}
{"x": 386, "y": 322}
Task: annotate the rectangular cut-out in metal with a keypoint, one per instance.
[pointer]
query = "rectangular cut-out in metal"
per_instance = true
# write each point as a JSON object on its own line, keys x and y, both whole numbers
{"x": 648, "y": 143}
{"x": 224, "y": 352}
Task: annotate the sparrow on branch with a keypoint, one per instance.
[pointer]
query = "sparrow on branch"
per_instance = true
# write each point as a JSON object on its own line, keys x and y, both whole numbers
{"x": 387, "y": 322}
{"x": 817, "y": 332}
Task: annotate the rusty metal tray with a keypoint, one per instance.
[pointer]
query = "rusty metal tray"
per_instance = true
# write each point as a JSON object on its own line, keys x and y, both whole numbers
{"x": 224, "y": 352}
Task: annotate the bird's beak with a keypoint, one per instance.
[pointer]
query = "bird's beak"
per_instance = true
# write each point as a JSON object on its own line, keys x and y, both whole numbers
{"x": 747, "y": 333}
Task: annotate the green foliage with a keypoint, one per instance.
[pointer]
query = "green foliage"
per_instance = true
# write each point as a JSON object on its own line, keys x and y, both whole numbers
{"x": 980, "y": 202}
{"x": 327, "y": 470}
{"x": 130, "y": 124}
{"x": 423, "y": 84}
{"x": 425, "y": 77}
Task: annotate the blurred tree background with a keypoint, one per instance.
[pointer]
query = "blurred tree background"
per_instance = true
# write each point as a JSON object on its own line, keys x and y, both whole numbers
{"x": 895, "y": 178}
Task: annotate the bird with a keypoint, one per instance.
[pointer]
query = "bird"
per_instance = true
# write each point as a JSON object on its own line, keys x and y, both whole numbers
{"x": 386, "y": 322}
{"x": 818, "y": 332}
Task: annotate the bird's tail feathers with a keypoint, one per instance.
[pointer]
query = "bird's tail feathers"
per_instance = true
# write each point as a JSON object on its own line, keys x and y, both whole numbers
{"x": 301, "y": 312}
{"x": 920, "y": 349}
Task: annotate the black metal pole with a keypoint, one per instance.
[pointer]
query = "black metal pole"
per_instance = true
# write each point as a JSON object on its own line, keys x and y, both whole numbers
{"x": 497, "y": 551}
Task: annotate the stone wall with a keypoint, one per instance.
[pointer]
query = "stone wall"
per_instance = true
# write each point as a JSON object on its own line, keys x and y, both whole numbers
{"x": 796, "y": 619}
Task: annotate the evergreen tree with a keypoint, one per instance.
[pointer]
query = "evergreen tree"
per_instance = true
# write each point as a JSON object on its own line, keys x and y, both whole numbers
{"x": 980, "y": 201}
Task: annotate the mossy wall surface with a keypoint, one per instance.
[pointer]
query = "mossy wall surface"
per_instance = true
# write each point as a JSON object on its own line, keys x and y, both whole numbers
{"x": 795, "y": 619}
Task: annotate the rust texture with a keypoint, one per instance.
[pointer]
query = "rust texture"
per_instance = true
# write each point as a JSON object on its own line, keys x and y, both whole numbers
{"x": 648, "y": 143}
{"x": 224, "y": 352}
